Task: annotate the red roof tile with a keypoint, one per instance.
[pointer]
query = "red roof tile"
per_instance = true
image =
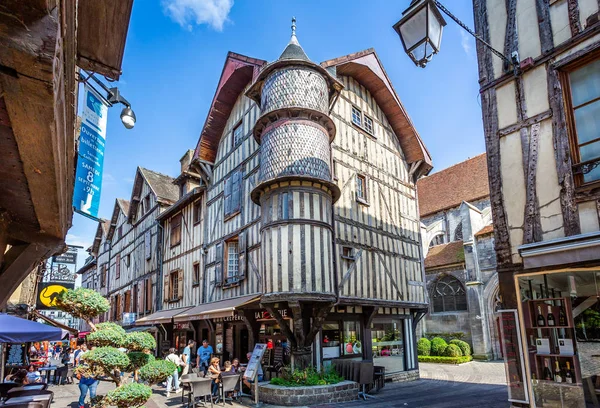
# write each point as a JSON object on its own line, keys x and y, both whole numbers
{"x": 466, "y": 181}
{"x": 445, "y": 254}
{"x": 488, "y": 229}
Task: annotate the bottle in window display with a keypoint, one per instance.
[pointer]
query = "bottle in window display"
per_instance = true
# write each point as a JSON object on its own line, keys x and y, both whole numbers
{"x": 568, "y": 375}
{"x": 547, "y": 374}
{"x": 540, "y": 318}
{"x": 562, "y": 317}
{"x": 550, "y": 318}
{"x": 557, "y": 374}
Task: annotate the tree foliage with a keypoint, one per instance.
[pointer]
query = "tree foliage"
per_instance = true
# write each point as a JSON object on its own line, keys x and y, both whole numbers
{"x": 139, "y": 341}
{"x": 82, "y": 303}
{"x": 138, "y": 359}
{"x": 130, "y": 395}
{"x": 157, "y": 370}
{"x": 106, "y": 337}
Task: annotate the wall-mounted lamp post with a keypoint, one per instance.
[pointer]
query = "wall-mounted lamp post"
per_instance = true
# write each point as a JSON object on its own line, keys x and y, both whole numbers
{"x": 420, "y": 30}
{"x": 113, "y": 97}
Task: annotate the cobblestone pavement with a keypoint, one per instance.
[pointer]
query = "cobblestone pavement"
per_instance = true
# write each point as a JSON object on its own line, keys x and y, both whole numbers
{"x": 475, "y": 384}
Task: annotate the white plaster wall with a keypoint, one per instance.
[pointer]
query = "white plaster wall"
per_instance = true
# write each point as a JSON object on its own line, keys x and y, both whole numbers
{"x": 507, "y": 108}
{"x": 513, "y": 181}
{"x": 588, "y": 217}
{"x": 528, "y": 29}
{"x": 535, "y": 85}
{"x": 587, "y": 8}
{"x": 547, "y": 188}
{"x": 497, "y": 30}
{"x": 578, "y": 47}
{"x": 559, "y": 18}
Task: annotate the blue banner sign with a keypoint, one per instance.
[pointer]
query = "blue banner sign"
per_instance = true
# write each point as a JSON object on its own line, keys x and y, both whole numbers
{"x": 88, "y": 178}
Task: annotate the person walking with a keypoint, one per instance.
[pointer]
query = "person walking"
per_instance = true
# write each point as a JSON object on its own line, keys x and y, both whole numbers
{"x": 173, "y": 380}
{"x": 86, "y": 384}
{"x": 204, "y": 354}
{"x": 186, "y": 356}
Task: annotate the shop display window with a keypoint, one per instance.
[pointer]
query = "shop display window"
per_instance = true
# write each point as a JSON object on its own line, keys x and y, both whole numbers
{"x": 561, "y": 315}
{"x": 352, "y": 340}
{"x": 387, "y": 338}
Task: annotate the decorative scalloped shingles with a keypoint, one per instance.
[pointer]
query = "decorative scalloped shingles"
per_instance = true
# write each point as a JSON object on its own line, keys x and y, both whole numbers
{"x": 295, "y": 87}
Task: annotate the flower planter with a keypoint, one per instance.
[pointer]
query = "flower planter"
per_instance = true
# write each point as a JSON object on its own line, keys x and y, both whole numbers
{"x": 308, "y": 395}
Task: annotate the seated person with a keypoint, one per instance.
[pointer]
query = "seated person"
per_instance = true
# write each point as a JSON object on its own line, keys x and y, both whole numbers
{"x": 33, "y": 375}
{"x": 235, "y": 364}
{"x": 228, "y": 369}
{"x": 20, "y": 377}
{"x": 214, "y": 371}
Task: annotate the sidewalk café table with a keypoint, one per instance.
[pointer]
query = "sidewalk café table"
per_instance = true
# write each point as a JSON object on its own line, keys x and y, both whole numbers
{"x": 44, "y": 399}
{"x": 48, "y": 370}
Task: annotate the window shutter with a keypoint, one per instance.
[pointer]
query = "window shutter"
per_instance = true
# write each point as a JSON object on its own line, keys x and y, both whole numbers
{"x": 142, "y": 297}
{"x": 180, "y": 285}
{"x": 149, "y": 295}
{"x": 166, "y": 296}
{"x": 236, "y": 193}
{"x": 242, "y": 255}
{"x": 219, "y": 266}
{"x": 227, "y": 196}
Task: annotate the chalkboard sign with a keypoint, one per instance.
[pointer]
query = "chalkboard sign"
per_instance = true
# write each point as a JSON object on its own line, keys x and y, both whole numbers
{"x": 266, "y": 360}
{"x": 277, "y": 356}
{"x": 16, "y": 355}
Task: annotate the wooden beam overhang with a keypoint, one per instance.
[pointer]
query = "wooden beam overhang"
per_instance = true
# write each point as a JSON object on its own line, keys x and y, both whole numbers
{"x": 237, "y": 73}
{"x": 101, "y": 35}
{"x": 365, "y": 67}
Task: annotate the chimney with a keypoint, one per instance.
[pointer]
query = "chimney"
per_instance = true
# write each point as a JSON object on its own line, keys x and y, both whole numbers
{"x": 186, "y": 160}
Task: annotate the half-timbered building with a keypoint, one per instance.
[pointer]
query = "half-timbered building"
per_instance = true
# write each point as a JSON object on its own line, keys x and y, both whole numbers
{"x": 542, "y": 131}
{"x": 308, "y": 237}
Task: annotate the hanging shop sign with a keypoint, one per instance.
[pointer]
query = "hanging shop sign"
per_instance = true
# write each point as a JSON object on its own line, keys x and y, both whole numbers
{"x": 48, "y": 292}
{"x": 182, "y": 326}
{"x": 69, "y": 257}
{"x": 90, "y": 161}
{"x": 263, "y": 315}
{"x": 16, "y": 355}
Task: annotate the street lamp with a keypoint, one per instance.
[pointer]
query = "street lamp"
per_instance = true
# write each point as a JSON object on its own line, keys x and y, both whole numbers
{"x": 420, "y": 30}
{"x": 114, "y": 96}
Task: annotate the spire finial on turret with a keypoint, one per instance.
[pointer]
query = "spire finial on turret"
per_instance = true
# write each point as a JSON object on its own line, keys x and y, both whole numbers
{"x": 293, "y": 26}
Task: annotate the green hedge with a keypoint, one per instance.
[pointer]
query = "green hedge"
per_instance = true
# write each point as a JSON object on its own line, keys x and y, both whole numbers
{"x": 453, "y": 351}
{"x": 463, "y": 345}
{"x": 445, "y": 335}
{"x": 438, "y": 346}
{"x": 424, "y": 347}
{"x": 445, "y": 360}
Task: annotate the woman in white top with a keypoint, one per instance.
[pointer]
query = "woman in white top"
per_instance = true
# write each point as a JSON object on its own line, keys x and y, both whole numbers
{"x": 174, "y": 379}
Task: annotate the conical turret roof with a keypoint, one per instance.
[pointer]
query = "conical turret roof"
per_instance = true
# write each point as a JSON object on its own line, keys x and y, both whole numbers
{"x": 293, "y": 51}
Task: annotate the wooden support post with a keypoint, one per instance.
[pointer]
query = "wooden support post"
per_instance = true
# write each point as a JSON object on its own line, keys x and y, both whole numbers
{"x": 368, "y": 313}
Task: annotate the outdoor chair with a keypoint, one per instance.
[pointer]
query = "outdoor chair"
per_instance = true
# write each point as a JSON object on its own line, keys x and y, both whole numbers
{"x": 229, "y": 384}
{"x": 201, "y": 390}
{"x": 184, "y": 383}
{"x": 378, "y": 377}
{"x": 25, "y": 393}
{"x": 30, "y": 404}
{"x": 365, "y": 377}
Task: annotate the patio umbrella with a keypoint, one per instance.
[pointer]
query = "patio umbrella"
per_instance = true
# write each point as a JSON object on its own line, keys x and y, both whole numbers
{"x": 16, "y": 330}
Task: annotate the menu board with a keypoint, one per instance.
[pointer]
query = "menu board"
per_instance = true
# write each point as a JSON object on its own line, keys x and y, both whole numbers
{"x": 16, "y": 355}
{"x": 513, "y": 356}
{"x": 255, "y": 360}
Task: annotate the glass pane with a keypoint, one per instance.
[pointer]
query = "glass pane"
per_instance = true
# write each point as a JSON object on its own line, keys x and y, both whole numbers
{"x": 589, "y": 152}
{"x": 435, "y": 29}
{"x": 419, "y": 52}
{"x": 585, "y": 83}
{"x": 413, "y": 29}
{"x": 351, "y": 336}
{"x": 388, "y": 345}
{"x": 587, "y": 122}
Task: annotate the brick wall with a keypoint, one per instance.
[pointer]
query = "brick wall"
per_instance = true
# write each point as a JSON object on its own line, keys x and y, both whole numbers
{"x": 298, "y": 396}
{"x": 403, "y": 376}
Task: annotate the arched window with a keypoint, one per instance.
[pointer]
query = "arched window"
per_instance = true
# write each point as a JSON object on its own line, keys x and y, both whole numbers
{"x": 448, "y": 295}
{"x": 458, "y": 235}
{"x": 437, "y": 240}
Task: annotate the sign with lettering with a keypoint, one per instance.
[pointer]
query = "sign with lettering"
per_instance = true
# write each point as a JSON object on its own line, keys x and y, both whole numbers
{"x": 90, "y": 160}
{"x": 264, "y": 315}
{"x": 15, "y": 355}
{"x": 255, "y": 360}
{"x": 47, "y": 293}
{"x": 513, "y": 356}
{"x": 69, "y": 257}
{"x": 182, "y": 326}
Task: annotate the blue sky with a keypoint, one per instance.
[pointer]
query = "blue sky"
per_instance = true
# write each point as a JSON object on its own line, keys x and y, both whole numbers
{"x": 175, "y": 53}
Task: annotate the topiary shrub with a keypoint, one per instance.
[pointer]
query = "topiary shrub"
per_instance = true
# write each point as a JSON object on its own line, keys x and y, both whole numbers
{"x": 157, "y": 371}
{"x": 138, "y": 359}
{"x": 107, "y": 359}
{"x": 106, "y": 337}
{"x": 130, "y": 395}
{"x": 445, "y": 360}
{"x": 452, "y": 350}
{"x": 110, "y": 325}
{"x": 463, "y": 345}
{"x": 424, "y": 347}
{"x": 82, "y": 303}
{"x": 438, "y": 346}
{"x": 139, "y": 341}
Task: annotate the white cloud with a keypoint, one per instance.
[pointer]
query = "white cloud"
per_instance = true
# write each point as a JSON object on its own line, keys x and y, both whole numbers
{"x": 189, "y": 12}
{"x": 465, "y": 41}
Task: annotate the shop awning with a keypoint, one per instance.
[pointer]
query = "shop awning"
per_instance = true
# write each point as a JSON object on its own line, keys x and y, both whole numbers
{"x": 140, "y": 329}
{"x": 213, "y": 310}
{"x": 164, "y": 316}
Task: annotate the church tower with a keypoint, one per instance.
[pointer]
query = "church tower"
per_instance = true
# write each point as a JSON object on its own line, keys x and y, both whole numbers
{"x": 295, "y": 189}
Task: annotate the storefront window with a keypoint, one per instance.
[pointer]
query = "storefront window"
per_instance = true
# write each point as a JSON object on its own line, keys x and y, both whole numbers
{"x": 330, "y": 340}
{"x": 351, "y": 334}
{"x": 561, "y": 315}
{"x": 388, "y": 344}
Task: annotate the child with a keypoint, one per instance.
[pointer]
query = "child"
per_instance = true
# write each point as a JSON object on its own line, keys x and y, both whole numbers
{"x": 33, "y": 375}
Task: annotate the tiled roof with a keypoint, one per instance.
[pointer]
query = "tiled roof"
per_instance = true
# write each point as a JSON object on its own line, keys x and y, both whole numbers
{"x": 488, "y": 229}
{"x": 124, "y": 205}
{"x": 445, "y": 254}
{"x": 162, "y": 185}
{"x": 466, "y": 181}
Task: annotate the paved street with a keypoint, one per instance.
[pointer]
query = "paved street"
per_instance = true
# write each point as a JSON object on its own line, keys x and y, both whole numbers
{"x": 476, "y": 384}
